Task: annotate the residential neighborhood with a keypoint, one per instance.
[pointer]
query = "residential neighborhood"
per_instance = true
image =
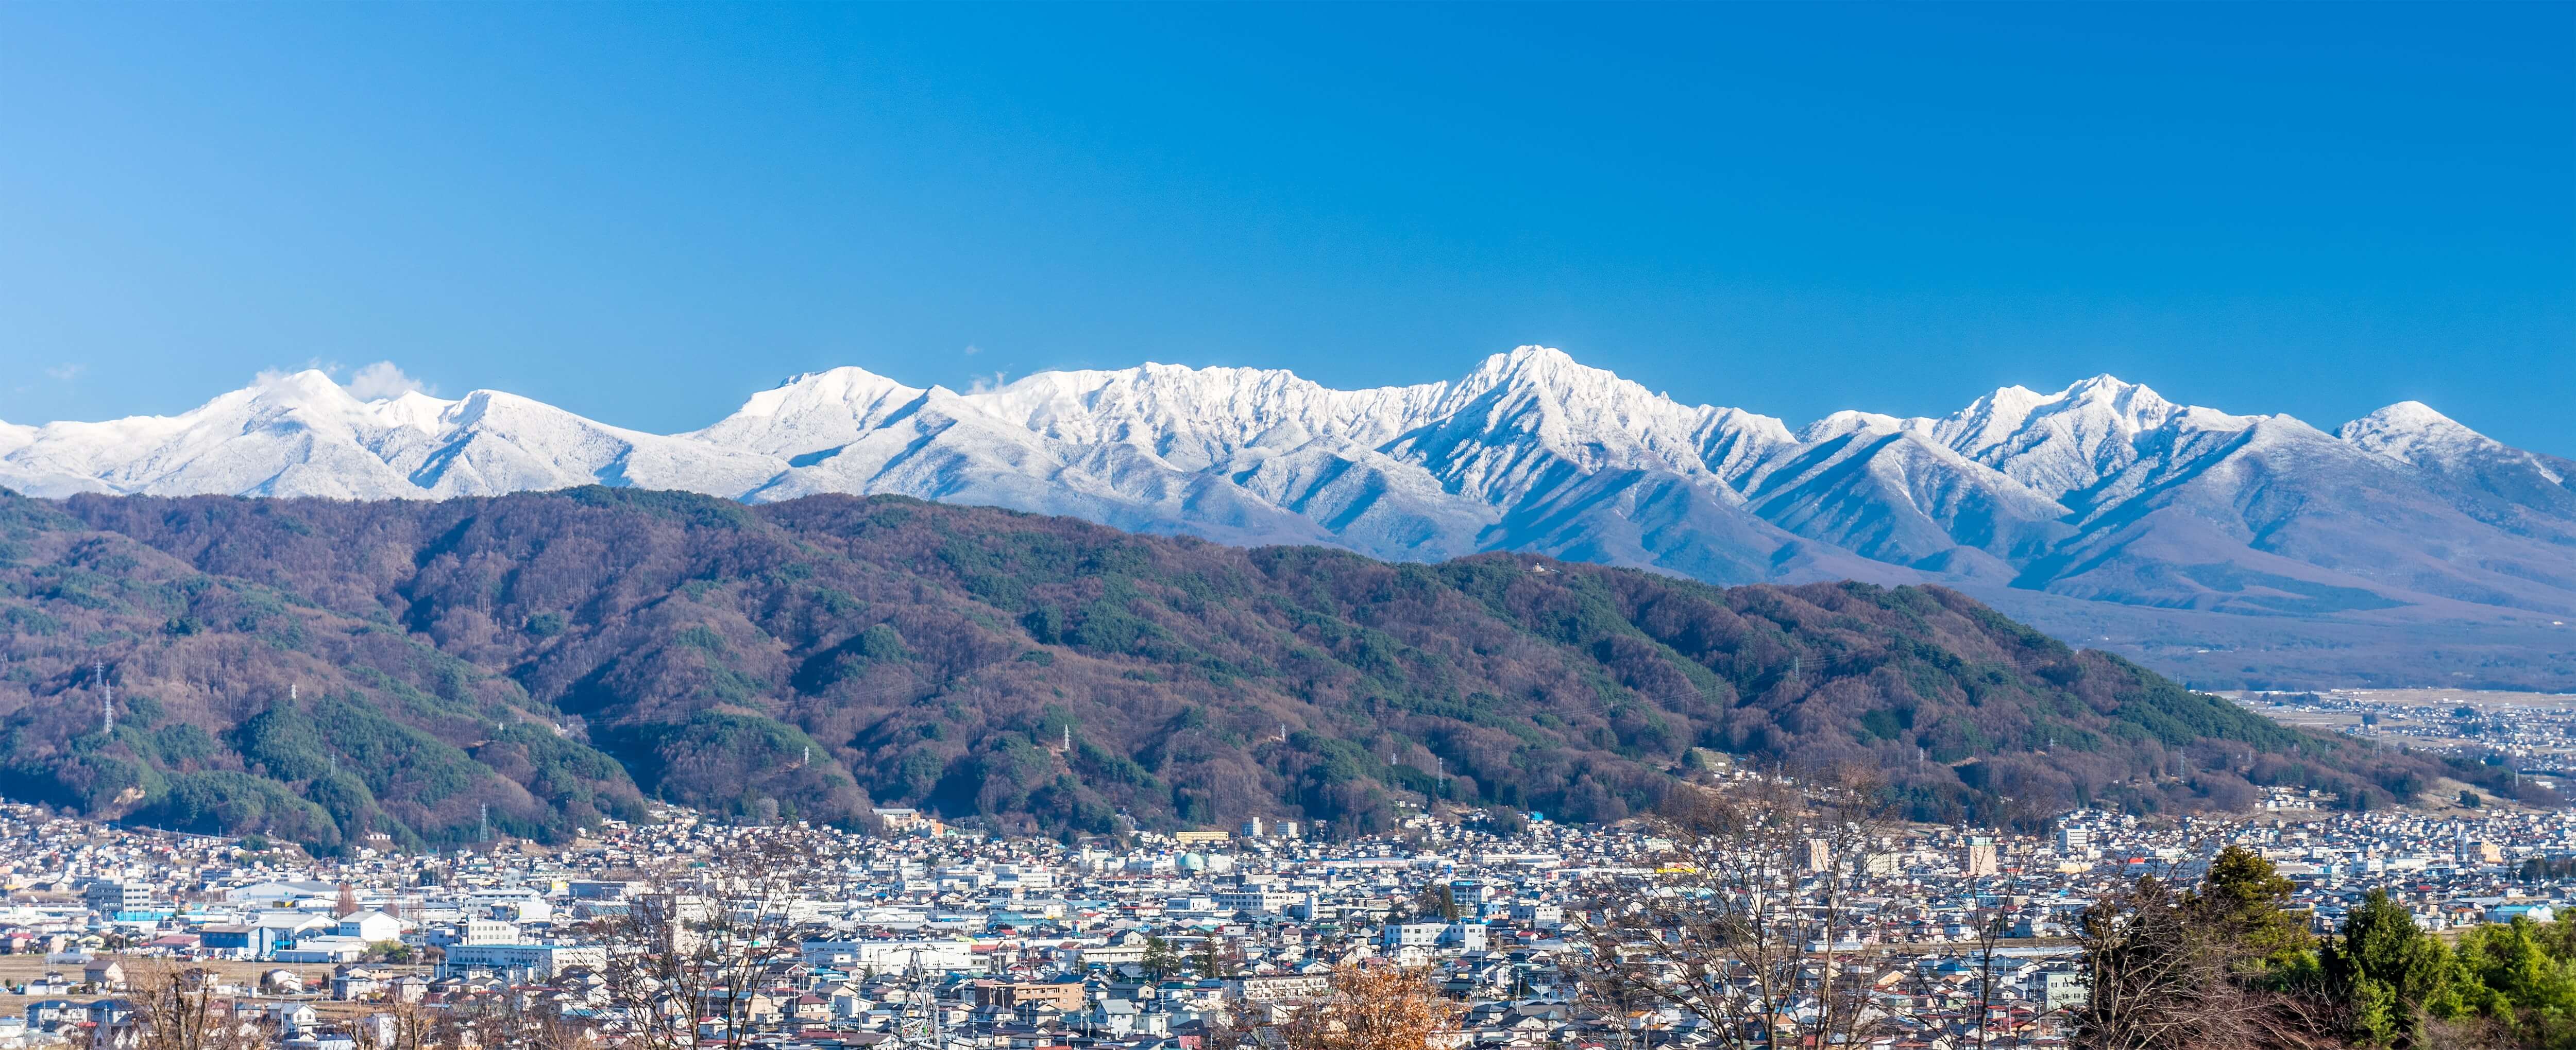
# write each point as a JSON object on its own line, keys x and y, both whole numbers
{"x": 932, "y": 936}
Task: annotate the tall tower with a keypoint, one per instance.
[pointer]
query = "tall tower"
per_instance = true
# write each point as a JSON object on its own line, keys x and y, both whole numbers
{"x": 106, "y": 698}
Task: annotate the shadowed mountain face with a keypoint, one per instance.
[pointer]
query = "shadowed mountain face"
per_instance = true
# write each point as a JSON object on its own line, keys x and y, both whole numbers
{"x": 2103, "y": 512}
{"x": 324, "y": 669}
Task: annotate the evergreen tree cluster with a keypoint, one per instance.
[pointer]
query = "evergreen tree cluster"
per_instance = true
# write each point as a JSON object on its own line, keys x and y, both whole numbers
{"x": 2229, "y": 963}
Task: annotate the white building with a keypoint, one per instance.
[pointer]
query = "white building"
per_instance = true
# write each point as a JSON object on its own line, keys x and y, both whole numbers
{"x": 1465, "y": 936}
{"x": 890, "y": 956}
{"x": 1259, "y": 901}
{"x": 539, "y": 961}
{"x": 371, "y": 927}
{"x": 489, "y": 931}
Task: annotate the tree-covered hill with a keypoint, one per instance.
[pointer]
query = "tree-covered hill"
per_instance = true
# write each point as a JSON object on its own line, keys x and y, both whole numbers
{"x": 321, "y": 669}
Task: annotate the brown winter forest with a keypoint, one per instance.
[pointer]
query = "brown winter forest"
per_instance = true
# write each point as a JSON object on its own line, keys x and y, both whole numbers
{"x": 320, "y": 670}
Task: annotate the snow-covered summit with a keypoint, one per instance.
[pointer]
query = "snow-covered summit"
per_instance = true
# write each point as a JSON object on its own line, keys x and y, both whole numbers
{"x": 2075, "y": 438}
{"x": 811, "y": 412}
{"x": 2413, "y": 432}
{"x": 412, "y": 409}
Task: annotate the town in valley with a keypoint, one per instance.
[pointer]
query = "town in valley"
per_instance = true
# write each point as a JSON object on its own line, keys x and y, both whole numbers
{"x": 914, "y": 933}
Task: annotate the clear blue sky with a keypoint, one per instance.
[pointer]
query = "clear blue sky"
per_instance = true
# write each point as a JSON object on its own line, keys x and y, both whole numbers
{"x": 645, "y": 212}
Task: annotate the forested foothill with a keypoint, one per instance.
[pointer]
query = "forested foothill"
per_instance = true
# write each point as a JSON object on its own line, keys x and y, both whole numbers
{"x": 324, "y": 670}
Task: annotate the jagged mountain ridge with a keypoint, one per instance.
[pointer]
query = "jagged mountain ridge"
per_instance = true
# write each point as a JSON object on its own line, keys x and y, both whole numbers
{"x": 2103, "y": 492}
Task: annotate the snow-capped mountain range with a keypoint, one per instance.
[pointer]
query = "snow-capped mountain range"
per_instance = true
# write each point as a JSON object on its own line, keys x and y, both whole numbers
{"x": 2101, "y": 491}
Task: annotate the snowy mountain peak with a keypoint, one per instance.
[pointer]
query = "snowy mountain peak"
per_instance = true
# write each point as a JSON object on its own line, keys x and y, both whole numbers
{"x": 310, "y": 384}
{"x": 2130, "y": 406}
{"x": 812, "y": 412}
{"x": 2410, "y": 413}
{"x": 2411, "y": 431}
{"x": 2404, "y": 417}
{"x": 2104, "y": 386}
{"x": 2070, "y": 440}
{"x": 1526, "y": 359}
{"x": 1533, "y": 367}
{"x": 847, "y": 385}
{"x": 1847, "y": 422}
{"x": 308, "y": 397}
{"x": 412, "y": 409}
{"x": 1188, "y": 418}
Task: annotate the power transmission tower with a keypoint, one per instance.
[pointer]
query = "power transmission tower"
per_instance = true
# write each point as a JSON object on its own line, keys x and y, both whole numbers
{"x": 922, "y": 1032}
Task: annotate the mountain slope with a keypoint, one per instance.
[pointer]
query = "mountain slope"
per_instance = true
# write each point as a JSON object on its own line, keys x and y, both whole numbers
{"x": 2198, "y": 522}
{"x": 823, "y": 654}
{"x": 243, "y": 706}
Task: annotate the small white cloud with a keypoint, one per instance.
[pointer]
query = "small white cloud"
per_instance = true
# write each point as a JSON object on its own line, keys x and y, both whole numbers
{"x": 67, "y": 371}
{"x": 383, "y": 380}
{"x": 972, "y": 349}
{"x": 269, "y": 377}
{"x": 985, "y": 384}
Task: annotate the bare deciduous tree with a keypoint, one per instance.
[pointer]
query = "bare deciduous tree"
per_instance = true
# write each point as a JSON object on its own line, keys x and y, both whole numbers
{"x": 1749, "y": 926}
{"x": 404, "y": 1024}
{"x": 1992, "y": 923}
{"x": 512, "y": 1021}
{"x": 1379, "y": 1007}
{"x": 2162, "y": 975}
{"x": 177, "y": 1009}
{"x": 701, "y": 943}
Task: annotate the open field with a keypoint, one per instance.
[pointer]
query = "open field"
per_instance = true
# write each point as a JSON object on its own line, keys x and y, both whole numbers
{"x": 2421, "y": 716}
{"x": 2482, "y": 699}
